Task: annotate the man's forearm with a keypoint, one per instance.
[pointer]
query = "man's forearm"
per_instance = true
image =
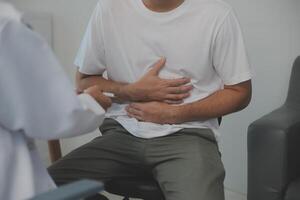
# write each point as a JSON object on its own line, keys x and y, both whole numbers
{"x": 119, "y": 89}
{"x": 221, "y": 103}
{"x": 148, "y": 88}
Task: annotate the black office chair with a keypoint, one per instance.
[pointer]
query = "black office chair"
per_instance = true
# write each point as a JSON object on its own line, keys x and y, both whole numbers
{"x": 137, "y": 188}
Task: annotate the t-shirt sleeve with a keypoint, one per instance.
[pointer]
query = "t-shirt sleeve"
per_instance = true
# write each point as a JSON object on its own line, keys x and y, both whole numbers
{"x": 229, "y": 53}
{"x": 90, "y": 58}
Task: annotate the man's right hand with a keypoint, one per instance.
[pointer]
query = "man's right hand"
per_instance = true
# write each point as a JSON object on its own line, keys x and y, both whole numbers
{"x": 152, "y": 88}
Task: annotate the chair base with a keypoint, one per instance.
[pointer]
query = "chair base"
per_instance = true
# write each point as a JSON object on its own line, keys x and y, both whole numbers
{"x": 141, "y": 189}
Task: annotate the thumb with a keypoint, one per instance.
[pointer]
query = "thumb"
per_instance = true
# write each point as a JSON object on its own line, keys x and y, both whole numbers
{"x": 156, "y": 67}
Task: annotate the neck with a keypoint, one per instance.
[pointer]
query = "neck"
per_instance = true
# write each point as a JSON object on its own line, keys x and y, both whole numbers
{"x": 162, "y": 5}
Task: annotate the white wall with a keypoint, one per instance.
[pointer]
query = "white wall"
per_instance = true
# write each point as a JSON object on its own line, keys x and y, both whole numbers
{"x": 272, "y": 31}
{"x": 272, "y": 34}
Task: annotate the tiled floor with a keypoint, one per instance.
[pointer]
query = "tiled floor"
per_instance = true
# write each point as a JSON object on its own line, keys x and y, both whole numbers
{"x": 229, "y": 196}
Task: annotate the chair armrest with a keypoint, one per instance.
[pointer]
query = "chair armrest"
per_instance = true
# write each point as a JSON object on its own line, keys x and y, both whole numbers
{"x": 273, "y": 153}
{"x": 74, "y": 191}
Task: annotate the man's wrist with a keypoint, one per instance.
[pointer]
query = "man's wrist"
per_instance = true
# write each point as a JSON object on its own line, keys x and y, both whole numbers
{"x": 127, "y": 92}
{"x": 124, "y": 92}
{"x": 174, "y": 115}
{"x": 132, "y": 93}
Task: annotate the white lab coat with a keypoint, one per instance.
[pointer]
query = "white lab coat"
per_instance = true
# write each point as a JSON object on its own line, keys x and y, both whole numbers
{"x": 36, "y": 101}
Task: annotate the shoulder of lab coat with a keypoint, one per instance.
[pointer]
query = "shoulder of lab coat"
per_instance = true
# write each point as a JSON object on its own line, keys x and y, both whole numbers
{"x": 36, "y": 96}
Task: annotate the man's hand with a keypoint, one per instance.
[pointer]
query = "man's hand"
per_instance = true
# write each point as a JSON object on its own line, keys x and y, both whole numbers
{"x": 228, "y": 100}
{"x": 152, "y": 88}
{"x": 96, "y": 93}
{"x": 155, "y": 112}
{"x": 149, "y": 88}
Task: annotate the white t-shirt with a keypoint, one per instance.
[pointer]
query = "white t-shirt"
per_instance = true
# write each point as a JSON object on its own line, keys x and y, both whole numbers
{"x": 201, "y": 39}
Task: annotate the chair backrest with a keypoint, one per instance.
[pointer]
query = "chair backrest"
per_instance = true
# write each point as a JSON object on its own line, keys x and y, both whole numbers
{"x": 54, "y": 150}
{"x": 294, "y": 88}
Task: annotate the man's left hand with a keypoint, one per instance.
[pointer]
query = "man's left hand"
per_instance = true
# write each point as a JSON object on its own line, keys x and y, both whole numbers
{"x": 155, "y": 112}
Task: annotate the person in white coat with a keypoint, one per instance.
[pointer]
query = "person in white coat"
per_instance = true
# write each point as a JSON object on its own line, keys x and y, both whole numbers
{"x": 36, "y": 101}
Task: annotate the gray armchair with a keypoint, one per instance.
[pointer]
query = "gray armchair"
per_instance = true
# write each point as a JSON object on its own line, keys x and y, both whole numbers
{"x": 274, "y": 149}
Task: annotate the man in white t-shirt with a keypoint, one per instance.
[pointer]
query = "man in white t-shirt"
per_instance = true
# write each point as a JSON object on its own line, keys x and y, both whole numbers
{"x": 175, "y": 66}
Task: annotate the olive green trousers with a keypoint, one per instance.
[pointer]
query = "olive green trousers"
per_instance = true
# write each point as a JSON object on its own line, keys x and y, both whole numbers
{"x": 187, "y": 164}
